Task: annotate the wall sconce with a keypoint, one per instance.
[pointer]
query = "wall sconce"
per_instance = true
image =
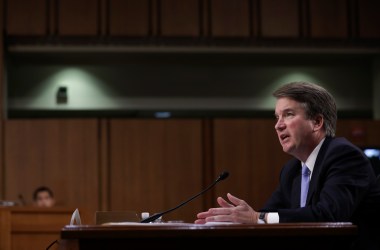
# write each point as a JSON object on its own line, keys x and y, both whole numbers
{"x": 62, "y": 95}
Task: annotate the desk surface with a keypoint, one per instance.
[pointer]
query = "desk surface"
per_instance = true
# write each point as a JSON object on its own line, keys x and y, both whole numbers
{"x": 133, "y": 230}
{"x": 174, "y": 236}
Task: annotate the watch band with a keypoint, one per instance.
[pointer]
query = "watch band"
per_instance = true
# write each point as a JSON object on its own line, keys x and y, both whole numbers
{"x": 262, "y": 216}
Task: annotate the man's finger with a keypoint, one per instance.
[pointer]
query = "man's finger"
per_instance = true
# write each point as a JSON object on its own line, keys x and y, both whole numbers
{"x": 200, "y": 221}
{"x": 223, "y": 203}
{"x": 236, "y": 201}
{"x": 220, "y": 211}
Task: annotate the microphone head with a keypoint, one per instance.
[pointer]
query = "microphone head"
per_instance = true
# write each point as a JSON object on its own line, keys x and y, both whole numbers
{"x": 223, "y": 175}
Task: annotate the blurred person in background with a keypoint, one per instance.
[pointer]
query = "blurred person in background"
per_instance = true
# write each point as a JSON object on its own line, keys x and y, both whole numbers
{"x": 43, "y": 197}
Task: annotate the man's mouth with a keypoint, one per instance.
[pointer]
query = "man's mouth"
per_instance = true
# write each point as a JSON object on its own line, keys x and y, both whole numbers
{"x": 283, "y": 137}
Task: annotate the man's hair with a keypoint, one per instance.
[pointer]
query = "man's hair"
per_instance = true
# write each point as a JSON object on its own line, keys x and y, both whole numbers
{"x": 315, "y": 100}
{"x": 40, "y": 190}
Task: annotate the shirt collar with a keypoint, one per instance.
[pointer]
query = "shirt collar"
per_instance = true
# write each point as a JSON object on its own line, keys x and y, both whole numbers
{"x": 310, "y": 162}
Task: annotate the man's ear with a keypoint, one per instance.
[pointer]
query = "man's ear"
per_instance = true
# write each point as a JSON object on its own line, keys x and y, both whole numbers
{"x": 318, "y": 122}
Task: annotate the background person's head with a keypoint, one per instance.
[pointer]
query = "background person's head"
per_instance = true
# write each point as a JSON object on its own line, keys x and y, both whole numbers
{"x": 43, "y": 197}
{"x": 315, "y": 100}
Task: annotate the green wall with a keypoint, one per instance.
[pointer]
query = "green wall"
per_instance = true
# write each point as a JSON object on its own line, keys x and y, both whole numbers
{"x": 184, "y": 81}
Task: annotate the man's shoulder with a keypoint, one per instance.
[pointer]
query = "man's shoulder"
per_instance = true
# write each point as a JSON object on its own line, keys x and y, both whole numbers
{"x": 340, "y": 147}
{"x": 340, "y": 143}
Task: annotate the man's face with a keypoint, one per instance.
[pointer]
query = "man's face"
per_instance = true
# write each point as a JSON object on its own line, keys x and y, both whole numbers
{"x": 44, "y": 199}
{"x": 293, "y": 129}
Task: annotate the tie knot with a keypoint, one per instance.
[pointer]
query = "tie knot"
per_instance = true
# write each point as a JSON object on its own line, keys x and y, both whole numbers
{"x": 305, "y": 170}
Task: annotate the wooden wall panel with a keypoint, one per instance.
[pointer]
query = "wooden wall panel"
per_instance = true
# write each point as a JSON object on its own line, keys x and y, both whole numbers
{"x": 5, "y": 229}
{"x": 328, "y": 19}
{"x": 373, "y": 133}
{"x": 250, "y": 151}
{"x": 37, "y": 241}
{"x": 230, "y": 18}
{"x": 129, "y": 17}
{"x": 104, "y": 164}
{"x": 180, "y": 18}
{"x": 155, "y": 165}
{"x": 280, "y": 18}
{"x": 26, "y": 17}
{"x": 360, "y": 132}
{"x": 62, "y": 154}
{"x": 78, "y": 17}
{"x": 2, "y": 108}
{"x": 369, "y": 18}
{"x": 353, "y": 130}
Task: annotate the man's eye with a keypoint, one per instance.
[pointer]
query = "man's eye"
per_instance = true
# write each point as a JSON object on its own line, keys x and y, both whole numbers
{"x": 289, "y": 114}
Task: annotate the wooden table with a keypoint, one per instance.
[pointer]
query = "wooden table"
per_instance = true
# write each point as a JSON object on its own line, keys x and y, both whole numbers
{"x": 321, "y": 236}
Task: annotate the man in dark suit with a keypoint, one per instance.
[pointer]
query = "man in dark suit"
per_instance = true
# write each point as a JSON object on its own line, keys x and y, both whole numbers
{"x": 329, "y": 180}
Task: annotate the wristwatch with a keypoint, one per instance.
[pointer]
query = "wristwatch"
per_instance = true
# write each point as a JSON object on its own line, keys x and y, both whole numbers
{"x": 262, "y": 216}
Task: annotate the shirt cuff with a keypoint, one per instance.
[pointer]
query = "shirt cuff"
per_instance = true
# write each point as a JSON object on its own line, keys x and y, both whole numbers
{"x": 260, "y": 221}
{"x": 273, "y": 218}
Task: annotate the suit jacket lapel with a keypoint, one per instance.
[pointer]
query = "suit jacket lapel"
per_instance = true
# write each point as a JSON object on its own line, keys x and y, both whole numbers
{"x": 296, "y": 189}
{"x": 317, "y": 170}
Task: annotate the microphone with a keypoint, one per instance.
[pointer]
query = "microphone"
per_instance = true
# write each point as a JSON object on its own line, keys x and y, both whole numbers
{"x": 154, "y": 217}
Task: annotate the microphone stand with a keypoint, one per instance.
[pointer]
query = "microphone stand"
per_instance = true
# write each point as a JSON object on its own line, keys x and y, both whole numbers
{"x": 154, "y": 217}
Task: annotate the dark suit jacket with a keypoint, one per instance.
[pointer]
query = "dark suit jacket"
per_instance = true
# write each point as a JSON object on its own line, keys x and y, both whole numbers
{"x": 343, "y": 188}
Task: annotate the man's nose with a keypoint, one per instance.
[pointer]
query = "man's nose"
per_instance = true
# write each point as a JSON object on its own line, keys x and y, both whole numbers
{"x": 279, "y": 124}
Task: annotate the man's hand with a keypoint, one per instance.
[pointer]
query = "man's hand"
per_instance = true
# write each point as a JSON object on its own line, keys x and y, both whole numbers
{"x": 236, "y": 210}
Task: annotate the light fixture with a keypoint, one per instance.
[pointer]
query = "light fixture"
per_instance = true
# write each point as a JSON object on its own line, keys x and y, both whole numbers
{"x": 62, "y": 95}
